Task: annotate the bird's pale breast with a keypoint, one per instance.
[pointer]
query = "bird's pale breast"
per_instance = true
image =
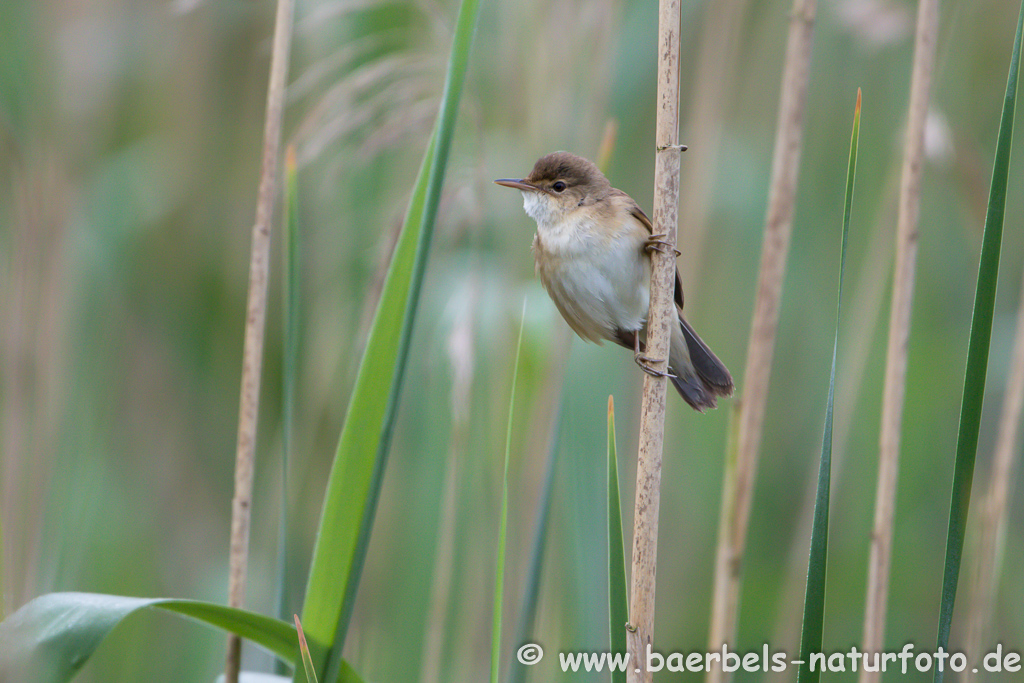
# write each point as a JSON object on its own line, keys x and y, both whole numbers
{"x": 598, "y": 277}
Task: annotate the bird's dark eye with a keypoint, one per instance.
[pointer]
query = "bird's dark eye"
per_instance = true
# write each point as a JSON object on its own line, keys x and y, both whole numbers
{"x": 558, "y": 186}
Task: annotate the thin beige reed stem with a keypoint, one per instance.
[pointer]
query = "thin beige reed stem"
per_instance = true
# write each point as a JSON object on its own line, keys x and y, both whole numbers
{"x": 993, "y": 518}
{"x": 741, "y": 463}
{"x": 640, "y": 632}
{"x": 894, "y": 389}
{"x": 256, "y": 313}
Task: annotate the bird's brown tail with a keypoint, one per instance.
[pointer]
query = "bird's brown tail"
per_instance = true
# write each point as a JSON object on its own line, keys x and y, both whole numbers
{"x": 700, "y": 376}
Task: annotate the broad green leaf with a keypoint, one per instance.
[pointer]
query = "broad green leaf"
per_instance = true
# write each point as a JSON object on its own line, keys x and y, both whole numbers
{"x": 814, "y": 597}
{"x": 354, "y": 484}
{"x": 618, "y": 591}
{"x": 977, "y": 354}
{"x": 52, "y": 637}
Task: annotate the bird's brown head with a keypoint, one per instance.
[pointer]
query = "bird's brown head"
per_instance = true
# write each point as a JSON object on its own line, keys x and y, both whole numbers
{"x": 560, "y": 182}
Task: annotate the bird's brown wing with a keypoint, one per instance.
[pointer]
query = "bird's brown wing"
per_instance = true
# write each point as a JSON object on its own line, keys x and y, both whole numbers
{"x": 639, "y": 214}
{"x": 714, "y": 376}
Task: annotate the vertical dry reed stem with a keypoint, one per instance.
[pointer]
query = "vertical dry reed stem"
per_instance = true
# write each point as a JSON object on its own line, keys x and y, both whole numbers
{"x": 741, "y": 465}
{"x": 899, "y": 332}
{"x": 993, "y": 518}
{"x": 662, "y": 315}
{"x": 256, "y": 313}
{"x": 34, "y": 299}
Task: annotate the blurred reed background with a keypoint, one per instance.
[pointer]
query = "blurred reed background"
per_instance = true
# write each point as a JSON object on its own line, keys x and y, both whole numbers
{"x": 129, "y": 139}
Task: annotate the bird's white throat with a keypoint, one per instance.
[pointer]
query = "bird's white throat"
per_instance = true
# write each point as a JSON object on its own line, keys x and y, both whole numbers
{"x": 540, "y": 208}
{"x": 560, "y": 231}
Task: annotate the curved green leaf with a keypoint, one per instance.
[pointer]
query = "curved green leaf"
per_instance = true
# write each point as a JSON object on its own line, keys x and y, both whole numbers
{"x": 531, "y": 591}
{"x": 814, "y": 596}
{"x": 499, "y": 570}
{"x": 618, "y": 591}
{"x": 354, "y": 483}
{"x": 51, "y": 637}
{"x": 977, "y": 354}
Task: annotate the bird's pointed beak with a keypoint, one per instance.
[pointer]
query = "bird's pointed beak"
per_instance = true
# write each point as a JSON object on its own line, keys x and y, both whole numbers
{"x": 519, "y": 184}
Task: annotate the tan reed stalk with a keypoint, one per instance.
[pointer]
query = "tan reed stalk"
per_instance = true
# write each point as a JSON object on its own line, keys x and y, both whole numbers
{"x": 607, "y": 146}
{"x": 741, "y": 463}
{"x": 640, "y": 631}
{"x": 894, "y": 390}
{"x": 993, "y": 517}
{"x": 256, "y": 313}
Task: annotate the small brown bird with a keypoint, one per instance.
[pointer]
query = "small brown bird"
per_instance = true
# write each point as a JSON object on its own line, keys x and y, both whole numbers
{"x": 592, "y": 250}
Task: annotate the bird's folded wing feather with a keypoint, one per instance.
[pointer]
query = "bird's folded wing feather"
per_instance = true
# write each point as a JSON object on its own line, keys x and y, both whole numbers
{"x": 639, "y": 214}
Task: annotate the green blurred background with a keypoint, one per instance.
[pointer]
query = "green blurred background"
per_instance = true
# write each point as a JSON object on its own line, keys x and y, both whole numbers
{"x": 129, "y": 142}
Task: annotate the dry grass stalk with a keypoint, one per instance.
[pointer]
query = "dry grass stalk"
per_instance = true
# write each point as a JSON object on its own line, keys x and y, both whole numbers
{"x": 899, "y": 332}
{"x": 993, "y": 517}
{"x": 34, "y": 301}
{"x": 256, "y": 313}
{"x": 662, "y": 316}
{"x": 741, "y": 466}
{"x": 607, "y": 146}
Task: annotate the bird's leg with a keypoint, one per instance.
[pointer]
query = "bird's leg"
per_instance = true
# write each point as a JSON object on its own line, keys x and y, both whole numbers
{"x": 644, "y": 362}
{"x": 658, "y": 243}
